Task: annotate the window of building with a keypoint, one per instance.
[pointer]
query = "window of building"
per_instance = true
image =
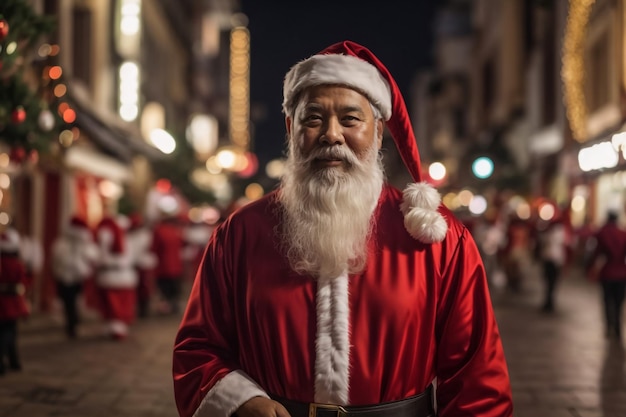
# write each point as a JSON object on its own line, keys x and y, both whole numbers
{"x": 81, "y": 48}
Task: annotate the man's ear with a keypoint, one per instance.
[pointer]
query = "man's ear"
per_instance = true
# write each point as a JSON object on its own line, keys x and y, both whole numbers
{"x": 288, "y": 125}
{"x": 380, "y": 130}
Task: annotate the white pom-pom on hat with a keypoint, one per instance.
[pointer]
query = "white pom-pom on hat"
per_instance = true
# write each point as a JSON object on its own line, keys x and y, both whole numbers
{"x": 421, "y": 218}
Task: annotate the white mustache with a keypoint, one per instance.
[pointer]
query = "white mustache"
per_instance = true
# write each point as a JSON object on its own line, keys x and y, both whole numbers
{"x": 333, "y": 152}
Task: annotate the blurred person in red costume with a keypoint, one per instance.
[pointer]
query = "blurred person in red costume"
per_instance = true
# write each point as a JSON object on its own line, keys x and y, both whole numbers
{"x": 168, "y": 244}
{"x": 13, "y": 303}
{"x": 73, "y": 258}
{"x": 116, "y": 277}
{"x": 606, "y": 265}
{"x": 140, "y": 242}
{"x": 338, "y": 294}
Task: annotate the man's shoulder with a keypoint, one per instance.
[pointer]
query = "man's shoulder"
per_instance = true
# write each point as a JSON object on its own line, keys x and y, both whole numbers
{"x": 253, "y": 215}
{"x": 257, "y": 207}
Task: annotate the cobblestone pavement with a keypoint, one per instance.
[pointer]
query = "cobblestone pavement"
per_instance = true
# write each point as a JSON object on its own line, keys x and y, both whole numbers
{"x": 92, "y": 376}
{"x": 561, "y": 365}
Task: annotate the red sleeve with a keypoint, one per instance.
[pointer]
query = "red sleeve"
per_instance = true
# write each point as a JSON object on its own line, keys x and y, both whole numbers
{"x": 472, "y": 373}
{"x": 205, "y": 346}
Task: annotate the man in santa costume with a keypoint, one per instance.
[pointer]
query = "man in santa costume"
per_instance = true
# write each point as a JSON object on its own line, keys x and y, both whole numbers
{"x": 139, "y": 237}
{"x": 116, "y": 278}
{"x": 73, "y": 258}
{"x": 338, "y": 294}
{"x": 13, "y": 303}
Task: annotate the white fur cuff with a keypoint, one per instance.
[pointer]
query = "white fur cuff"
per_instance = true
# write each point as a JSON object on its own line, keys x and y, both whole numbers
{"x": 420, "y": 202}
{"x": 228, "y": 395}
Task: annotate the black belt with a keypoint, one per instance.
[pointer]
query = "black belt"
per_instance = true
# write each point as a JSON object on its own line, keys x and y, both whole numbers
{"x": 417, "y": 406}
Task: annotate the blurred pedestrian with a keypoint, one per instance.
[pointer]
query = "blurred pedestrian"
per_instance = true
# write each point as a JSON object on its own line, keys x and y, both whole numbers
{"x": 516, "y": 252}
{"x": 490, "y": 236}
{"x": 607, "y": 265}
{"x": 338, "y": 294}
{"x": 73, "y": 258}
{"x": 196, "y": 235}
{"x": 168, "y": 244}
{"x": 31, "y": 252}
{"x": 13, "y": 303}
{"x": 553, "y": 255}
{"x": 116, "y": 278}
{"x": 140, "y": 243}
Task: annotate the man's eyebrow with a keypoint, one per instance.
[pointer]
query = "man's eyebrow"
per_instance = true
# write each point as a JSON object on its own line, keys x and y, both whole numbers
{"x": 343, "y": 109}
{"x": 349, "y": 109}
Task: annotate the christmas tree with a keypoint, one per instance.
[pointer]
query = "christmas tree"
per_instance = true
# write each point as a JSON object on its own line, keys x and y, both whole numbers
{"x": 31, "y": 102}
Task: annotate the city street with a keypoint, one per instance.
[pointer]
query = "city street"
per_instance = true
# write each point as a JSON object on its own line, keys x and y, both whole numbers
{"x": 561, "y": 365}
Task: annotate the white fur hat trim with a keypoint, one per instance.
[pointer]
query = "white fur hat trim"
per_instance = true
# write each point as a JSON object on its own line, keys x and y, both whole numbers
{"x": 422, "y": 220}
{"x": 341, "y": 70}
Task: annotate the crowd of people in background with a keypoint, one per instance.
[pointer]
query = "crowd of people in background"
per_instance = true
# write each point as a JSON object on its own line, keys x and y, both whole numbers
{"x": 125, "y": 268}
{"x": 121, "y": 269}
{"x": 513, "y": 249}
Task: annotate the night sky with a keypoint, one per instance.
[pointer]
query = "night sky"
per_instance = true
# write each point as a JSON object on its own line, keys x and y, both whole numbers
{"x": 283, "y": 32}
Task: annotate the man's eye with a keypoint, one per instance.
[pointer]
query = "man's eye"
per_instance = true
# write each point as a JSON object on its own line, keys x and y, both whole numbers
{"x": 349, "y": 119}
{"x": 311, "y": 118}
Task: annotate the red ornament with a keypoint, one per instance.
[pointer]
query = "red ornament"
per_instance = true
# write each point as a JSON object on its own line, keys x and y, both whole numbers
{"x": 18, "y": 115}
{"x": 17, "y": 154}
{"x": 33, "y": 156}
{"x": 4, "y": 29}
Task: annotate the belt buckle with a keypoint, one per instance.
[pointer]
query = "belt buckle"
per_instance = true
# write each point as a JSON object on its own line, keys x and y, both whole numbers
{"x": 339, "y": 410}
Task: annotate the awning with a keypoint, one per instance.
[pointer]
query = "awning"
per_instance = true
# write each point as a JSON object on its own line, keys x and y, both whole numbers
{"x": 95, "y": 163}
{"x": 108, "y": 132}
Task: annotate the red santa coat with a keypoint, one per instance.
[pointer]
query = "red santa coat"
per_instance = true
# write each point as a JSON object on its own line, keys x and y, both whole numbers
{"x": 13, "y": 283}
{"x": 417, "y": 312}
{"x": 115, "y": 277}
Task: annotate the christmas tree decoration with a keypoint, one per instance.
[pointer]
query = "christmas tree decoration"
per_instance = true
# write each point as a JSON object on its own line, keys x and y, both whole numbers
{"x": 33, "y": 157}
{"x": 46, "y": 120}
{"x": 29, "y": 119}
{"x": 18, "y": 115}
{"x": 17, "y": 154}
{"x": 4, "y": 29}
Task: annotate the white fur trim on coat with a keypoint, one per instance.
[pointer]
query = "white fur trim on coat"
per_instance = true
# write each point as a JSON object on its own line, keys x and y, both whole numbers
{"x": 337, "y": 69}
{"x": 10, "y": 240}
{"x": 332, "y": 349}
{"x": 422, "y": 220}
{"x": 117, "y": 278}
{"x": 228, "y": 395}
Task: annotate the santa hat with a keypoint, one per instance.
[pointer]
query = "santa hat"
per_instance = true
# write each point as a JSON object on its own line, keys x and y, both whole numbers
{"x": 9, "y": 240}
{"x": 352, "y": 65}
{"x": 110, "y": 235}
{"x": 79, "y": 228}
{"x": 78, "y": 223}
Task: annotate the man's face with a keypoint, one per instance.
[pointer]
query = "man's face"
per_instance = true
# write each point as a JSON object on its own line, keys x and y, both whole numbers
{"x": 333, "y": 117}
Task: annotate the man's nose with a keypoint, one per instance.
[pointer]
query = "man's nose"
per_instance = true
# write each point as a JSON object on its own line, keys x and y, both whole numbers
{"x": 333, "y": 134}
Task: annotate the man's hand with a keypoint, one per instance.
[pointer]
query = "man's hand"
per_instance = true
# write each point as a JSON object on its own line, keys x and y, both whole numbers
{"x": 262, "y": 407}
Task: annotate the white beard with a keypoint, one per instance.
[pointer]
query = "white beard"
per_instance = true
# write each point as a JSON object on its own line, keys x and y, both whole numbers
{"x": 328, "y": 211}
